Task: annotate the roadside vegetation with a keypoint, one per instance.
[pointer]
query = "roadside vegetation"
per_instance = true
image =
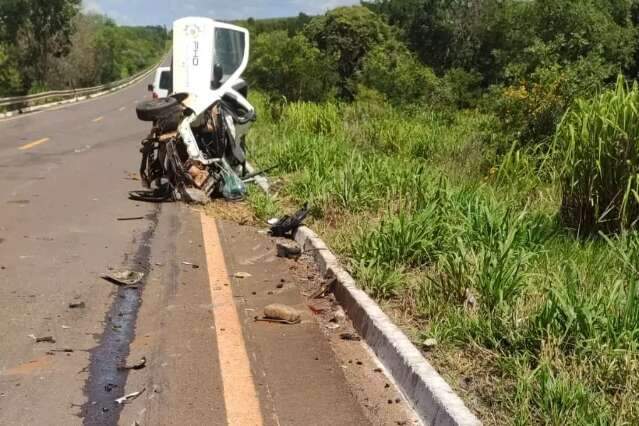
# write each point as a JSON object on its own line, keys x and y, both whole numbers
{"x": 51, "y": 45}
{"x": 474, "y": 164}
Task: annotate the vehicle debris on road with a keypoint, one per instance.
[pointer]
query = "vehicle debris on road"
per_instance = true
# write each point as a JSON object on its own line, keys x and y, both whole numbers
{"x": 288, "y": 250}
{"x": 77, "y": 305}
{"x": 281, "y": 313}
{"x": 350, "y": 337}
{"x": 124, "y": 278}
{"x": 45, "y": 339}
{"x": 130, "y": 397}
{"x": 242, "y": 275}
{"x": 137, "y": 366}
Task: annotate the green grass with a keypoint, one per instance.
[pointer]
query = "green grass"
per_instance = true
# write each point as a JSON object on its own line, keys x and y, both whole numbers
{"x": 599, "y": 151}
{"x": 470, "y": 250}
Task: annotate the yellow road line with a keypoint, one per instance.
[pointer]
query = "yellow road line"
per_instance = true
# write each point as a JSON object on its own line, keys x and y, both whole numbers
{"x": 32, "y": 144}
{"x": 95, "y": 120}
{"x": 240, "y": 395}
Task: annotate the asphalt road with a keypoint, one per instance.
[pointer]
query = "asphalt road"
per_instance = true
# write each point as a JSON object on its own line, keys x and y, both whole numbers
{"x": 64, "y": 178}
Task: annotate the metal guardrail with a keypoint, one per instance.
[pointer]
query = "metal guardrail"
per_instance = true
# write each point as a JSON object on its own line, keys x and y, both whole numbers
{"x": 22, "y": 102}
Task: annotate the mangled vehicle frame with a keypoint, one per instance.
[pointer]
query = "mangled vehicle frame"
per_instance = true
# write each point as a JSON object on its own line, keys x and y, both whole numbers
{"x": 196, "y": 148}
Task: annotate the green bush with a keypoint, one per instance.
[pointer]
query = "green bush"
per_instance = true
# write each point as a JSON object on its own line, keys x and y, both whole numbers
{"x": 291, "y": 67}
{"x": 348, "y": 34}
{"x": 598, "y": 150}
{"x": 393, "y": 71}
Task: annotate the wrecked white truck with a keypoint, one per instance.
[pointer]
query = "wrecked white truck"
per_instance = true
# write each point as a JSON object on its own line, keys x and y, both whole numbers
{"x": 196, "y": 148}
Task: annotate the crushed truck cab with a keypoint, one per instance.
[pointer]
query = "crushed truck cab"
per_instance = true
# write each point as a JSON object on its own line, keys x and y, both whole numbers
{"x": 198, "y": 136}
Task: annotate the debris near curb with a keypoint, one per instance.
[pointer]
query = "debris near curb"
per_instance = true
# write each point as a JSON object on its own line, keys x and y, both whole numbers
{"x": 77, "y": 305}
{"x": 45, "y": 339}
{"x": 281, "y": 313}
{"x": 124, "y": 278}
{"x": 351, "y": 337}
{"x": 288, "y": 250}
{"x": 285, "y": 226}
{"x": 429, "y": 344}
{"x": 137, "y": 366}
{"x": 130, "y": 397}
{"x": 192, "y": 265}
{"x": 242, "y": 275}
{"x": 324, "y": 290}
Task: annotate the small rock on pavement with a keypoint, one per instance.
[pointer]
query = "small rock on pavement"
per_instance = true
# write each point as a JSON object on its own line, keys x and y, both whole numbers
{"x": 429, "y": 344}
{"x": 242, "y": 275}
{"x": 288, "y": 250}
{"x": 339, "y": 315}
{"x": 278, "y": 311}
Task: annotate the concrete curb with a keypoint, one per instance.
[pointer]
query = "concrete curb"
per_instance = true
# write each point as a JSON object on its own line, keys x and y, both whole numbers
{"x": 35, "y": 108}
{"x": 430, "y": 396}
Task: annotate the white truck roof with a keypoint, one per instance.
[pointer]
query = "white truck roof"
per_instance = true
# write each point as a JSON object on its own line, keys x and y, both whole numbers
{"x": 200, "y": 44}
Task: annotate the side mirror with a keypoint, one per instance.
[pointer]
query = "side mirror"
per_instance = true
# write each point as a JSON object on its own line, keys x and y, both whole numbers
{"x": 218, "y": 75}
{"x": 150, "y": 88}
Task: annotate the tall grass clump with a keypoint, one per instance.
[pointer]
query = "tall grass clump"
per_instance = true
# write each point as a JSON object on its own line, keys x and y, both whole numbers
{"x": 597, "y": 144}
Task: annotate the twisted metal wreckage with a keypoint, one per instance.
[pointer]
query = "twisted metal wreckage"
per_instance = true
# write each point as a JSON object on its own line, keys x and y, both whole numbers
{"x": 197, "y": 145}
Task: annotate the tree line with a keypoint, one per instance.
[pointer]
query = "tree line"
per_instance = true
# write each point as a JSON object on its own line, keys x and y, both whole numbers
{"x": 50, "y": 44}
{"x": 525, "y": 61}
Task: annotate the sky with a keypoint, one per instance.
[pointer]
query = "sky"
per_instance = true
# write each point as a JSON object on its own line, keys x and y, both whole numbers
{"x": 164, "y": 12}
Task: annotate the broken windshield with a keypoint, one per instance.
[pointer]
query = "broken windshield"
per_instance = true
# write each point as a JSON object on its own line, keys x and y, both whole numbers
{"x": 229, "y": 50}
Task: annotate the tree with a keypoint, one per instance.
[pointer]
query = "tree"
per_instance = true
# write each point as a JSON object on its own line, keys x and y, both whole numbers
{"x": 291, "y": 67}
{"x": 348, "y": 33}
{"x": 41, "y": 29}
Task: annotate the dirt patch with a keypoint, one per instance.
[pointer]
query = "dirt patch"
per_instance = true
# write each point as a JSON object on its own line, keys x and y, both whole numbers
{"x": 239, "y": 212}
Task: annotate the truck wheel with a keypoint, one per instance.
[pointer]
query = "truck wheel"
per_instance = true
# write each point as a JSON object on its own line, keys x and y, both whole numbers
{"x": 153, "y": 109}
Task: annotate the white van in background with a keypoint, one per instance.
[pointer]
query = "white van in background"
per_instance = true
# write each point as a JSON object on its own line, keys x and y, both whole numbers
{"x": 162, "y": 83}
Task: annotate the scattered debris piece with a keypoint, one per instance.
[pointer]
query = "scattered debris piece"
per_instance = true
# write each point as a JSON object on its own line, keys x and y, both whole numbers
{"x": 196, "y": 196}
{"x": 317, "y": 308}
{"x": 350, "y": 337}
{"x": 280, "y": 285}
{"x": 339, "y": 315}
{"x": 288, "y": 224}
{"x": 137, "y": 366}
{"x": 288, "y": 250}
{"x": 377, "y": 370}
{"x": 471, "y": 301}
{"x": 67, "y": 351}
{"x": 192, "y": 265}
{"x": 324, "y": 290}
{"x": 429, "y": 344}
{"x": 77, "y": 305}
{"x": 45, "y": 339}
{"x": 66, "y": 327}
{"x": 122, "y": 219}
{"x": 280, "y": 313}
{"x": 125, "y": 278}
{"x": 273, "y": 221}
{"x": 332, "y": 326}
{"x": 242, "y": 275}
{"x": 130, "y": 397}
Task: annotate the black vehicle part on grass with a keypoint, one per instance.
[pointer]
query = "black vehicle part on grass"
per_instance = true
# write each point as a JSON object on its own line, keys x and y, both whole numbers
{"x": 288, "y": 224}
{"x": 154, "y": 109}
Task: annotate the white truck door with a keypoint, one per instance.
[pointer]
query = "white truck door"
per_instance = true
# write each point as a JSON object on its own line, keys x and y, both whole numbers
{"x": 199, "y": 44}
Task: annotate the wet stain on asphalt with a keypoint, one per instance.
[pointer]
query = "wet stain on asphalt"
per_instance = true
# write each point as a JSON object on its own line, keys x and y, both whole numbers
{"x": 106, "y": 382}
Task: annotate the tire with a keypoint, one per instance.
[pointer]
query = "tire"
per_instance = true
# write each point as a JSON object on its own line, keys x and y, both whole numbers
{"x": 154, "y": 109}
